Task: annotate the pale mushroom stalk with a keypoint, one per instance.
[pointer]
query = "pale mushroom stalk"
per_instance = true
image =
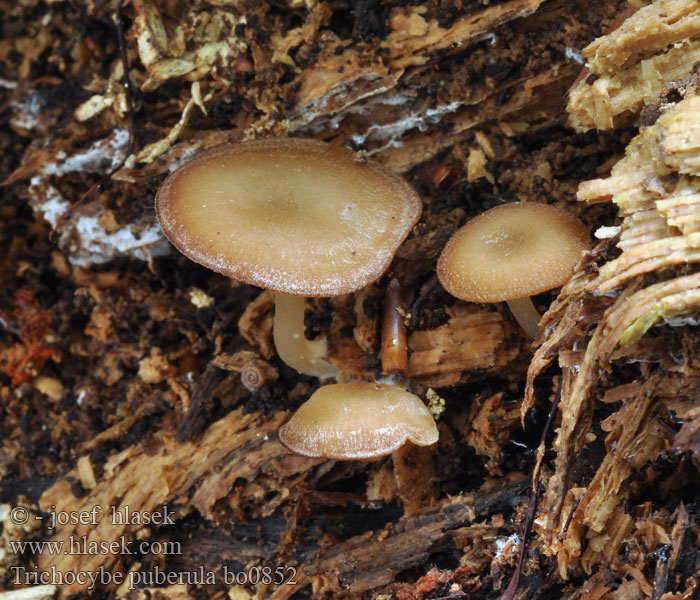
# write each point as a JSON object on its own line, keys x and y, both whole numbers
{"x": 294, "y": 349}
{"x": 525, "y": 314}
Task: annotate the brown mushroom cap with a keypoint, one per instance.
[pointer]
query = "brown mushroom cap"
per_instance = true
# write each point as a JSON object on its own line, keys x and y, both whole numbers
{"x": 296, "y": 216}
{"x": 512, "y": 251}
{"x": 355, "y": 421}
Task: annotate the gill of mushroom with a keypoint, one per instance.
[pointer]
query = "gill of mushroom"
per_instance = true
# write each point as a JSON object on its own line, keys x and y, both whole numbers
{"x": 512, "y": 252}
{"x": 297, "y": 216}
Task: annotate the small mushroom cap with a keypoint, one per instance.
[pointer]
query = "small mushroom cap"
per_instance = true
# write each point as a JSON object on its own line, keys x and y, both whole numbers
{"x": 512, "y": 251}
{"x": 356, "y": 421}
{"x": 296, "y": 216}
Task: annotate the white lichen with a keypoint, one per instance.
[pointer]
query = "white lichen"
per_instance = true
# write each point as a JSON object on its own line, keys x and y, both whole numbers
{"x": 573, "y": 54}
{"x": 109, "y": 150}
{"x": 97, "y": 246}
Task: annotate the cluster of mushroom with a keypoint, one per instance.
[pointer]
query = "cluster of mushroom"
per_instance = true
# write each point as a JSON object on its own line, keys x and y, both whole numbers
{"x": 306, "y": 219}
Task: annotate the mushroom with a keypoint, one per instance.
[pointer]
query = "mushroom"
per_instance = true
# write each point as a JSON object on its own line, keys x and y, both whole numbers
{"x": 510, "y": 253}
{"x": 358, "y": 421}
{"x": 296, "y": 216}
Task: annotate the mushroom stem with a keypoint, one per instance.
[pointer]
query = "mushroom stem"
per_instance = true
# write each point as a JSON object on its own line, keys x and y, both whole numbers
{"x": 306, "y": 356}
{"x": 414, "y": 474}
{"x": 394, "y": 353}
{"x": 525, "y": 314}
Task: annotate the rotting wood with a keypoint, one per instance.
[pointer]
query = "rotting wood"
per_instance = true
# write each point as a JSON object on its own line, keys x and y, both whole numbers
{"x": 129, "y": 348}
{"x": 350, "y": 90}
{"x": 646, "y": 186}
{"x": 371, "y": 561}
{"x": 629, "y": 67}
{"x": 161, "y": 473}
{"x": 470, "y": 340}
